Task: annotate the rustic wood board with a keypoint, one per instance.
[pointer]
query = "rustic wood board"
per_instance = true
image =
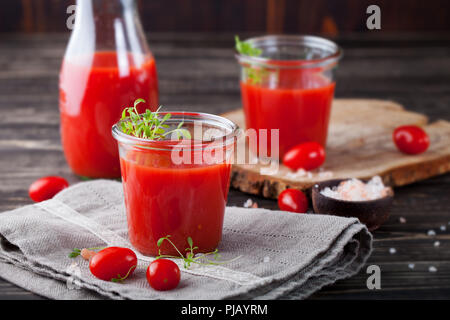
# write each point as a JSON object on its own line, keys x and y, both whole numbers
{"x": 360, "y": 146}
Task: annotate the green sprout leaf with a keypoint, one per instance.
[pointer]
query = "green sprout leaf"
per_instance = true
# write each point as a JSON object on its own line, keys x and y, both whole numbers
{"x": 149, "y": 125}
{"x": 253, "y": 74}
{"x": 246, "y": 48}
{"x": 75, "y": 253}
{"x": 122, "y": 279}
{"x": 191, "y": 257}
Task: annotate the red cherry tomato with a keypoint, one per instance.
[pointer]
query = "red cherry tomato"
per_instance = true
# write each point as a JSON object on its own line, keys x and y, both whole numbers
{"x": 46, "y": 188}
{"x": 293, "y": 200}
{"x": 163, "y": 274}
{"x": 308, "y": 156}
{"x": 411, "y": 139}
{"x": 113, "y": 263}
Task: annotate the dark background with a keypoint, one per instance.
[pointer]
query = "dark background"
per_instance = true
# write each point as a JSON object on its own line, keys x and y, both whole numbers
{"x": 329, "y": 17}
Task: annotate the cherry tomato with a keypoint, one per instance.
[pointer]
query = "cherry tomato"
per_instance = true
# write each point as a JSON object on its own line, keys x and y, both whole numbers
{"x": 46, "y": 188}
{"x": 307, "y": 156}
{"x": 411, "y": 139}
{"x": 163, "y": 274}
{"x": 113, "y": 264}
{"x": 293, "y": 200}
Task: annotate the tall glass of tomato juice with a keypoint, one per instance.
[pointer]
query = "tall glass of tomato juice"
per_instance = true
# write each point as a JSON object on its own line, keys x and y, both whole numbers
{"x": 177, "y": 187}
{"x": 107, "y": 65}
{"x": 290, "y": 87}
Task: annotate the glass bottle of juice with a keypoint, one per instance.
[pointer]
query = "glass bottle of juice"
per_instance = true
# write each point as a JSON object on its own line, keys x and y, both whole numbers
{"x": 106, "y": 67}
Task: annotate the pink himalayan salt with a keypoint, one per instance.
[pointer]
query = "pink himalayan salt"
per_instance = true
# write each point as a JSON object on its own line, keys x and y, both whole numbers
{"x": 357, "y": 190}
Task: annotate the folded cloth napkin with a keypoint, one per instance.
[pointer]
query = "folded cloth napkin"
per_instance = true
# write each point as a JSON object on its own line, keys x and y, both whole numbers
{"x": 282, "y": 255}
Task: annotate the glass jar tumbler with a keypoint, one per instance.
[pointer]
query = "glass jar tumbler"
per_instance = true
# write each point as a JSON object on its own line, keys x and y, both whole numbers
{"x": 290, "y": 87}
{"x": 177, "y": 187}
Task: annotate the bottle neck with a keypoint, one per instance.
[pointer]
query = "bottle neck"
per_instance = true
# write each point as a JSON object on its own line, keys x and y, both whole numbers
{"x": 108, "y": 25}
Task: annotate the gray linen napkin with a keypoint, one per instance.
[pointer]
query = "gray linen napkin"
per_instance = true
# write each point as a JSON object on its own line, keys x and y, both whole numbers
{"x": 283, "y": 255}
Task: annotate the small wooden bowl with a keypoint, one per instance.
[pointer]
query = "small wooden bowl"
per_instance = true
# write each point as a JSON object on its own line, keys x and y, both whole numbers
{"x": 372, "y": 213}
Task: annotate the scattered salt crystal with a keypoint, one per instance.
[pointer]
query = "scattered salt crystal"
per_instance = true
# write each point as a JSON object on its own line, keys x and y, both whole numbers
{"x": 392, "y": 250}
{"x": 437, "y": 243}
{"x": 443, "y": 228}
{"x": 248, "y": 203}
{"x": 356, "y": 190}
{"x": 325, "y": 174}
{"x": 402, "y": 220}
{"x": 411, "y": 266}
{"x": 432, "y": 269}
{"x": 431, "y": 233}
{"x": 266, "y": 259}
{"x": 300, "y": 173}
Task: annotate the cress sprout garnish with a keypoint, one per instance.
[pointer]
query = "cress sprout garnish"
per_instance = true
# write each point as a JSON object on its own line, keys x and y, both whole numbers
{"x": 254, "y": 75}
{"x": 191, "y": 257}
{"x": 246, "y": 48}
{"x": 149, "y": 125}
{"x": 122, "y": 279}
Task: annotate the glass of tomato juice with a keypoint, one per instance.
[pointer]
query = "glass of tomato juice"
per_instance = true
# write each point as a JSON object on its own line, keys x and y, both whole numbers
{"x": 177, "y": 187}
{"x": 289, "y": 86}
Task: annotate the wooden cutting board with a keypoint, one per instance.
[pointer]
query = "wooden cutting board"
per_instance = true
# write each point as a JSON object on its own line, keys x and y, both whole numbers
{"x": 359, "y": 145}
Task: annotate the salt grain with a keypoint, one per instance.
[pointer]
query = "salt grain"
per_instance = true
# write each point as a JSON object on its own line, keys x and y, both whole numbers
{"x": 431, "y": 233}
{"x": 325, "y": 174}
{"x": 392, "y": 250}
{"x": 411, "y": 266}
{"x": 432, "y": 269}
{"x": 443, "y": 228}
{"x": 248, "y": 203}
{"x": 357, "y": 190}
{"x": 437, "y": 243}
{"x": 300, "y": 173}
{"x": 402, "y": 220}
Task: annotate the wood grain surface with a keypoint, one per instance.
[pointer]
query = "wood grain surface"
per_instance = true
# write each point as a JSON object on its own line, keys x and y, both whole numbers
{"x": 359, "y": 146}
{"x": 199, "y": 72}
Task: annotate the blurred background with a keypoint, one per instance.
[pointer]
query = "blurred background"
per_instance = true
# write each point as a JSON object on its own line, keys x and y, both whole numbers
{"x": 327, "y": 17}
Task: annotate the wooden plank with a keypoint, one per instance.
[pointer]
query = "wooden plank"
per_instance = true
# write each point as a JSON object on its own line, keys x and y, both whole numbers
{"x": 359, "y": 146}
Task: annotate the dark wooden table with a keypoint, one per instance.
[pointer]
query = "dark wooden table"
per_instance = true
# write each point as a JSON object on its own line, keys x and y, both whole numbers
{"x": 199, "y": 72}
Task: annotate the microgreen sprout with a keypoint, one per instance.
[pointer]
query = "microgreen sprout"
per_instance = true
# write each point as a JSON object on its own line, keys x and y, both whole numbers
{"x": 120, "y": 278}
{"x": 246, "y": 48}
{"x": 149, "y": 125}
{"x": 254, "y": 75}
{"x": 190, "y": 256}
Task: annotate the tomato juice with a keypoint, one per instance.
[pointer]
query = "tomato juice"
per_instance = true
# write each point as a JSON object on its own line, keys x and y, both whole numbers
{"x": 289, "y": 85}
{"x": 299, "y": 107}
{"x": 92, "y": 97}
{"x": 168, "y": 191}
